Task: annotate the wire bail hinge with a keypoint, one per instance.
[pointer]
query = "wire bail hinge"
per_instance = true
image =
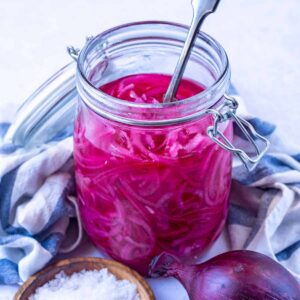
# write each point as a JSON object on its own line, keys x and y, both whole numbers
{"x": 228, "y": 111}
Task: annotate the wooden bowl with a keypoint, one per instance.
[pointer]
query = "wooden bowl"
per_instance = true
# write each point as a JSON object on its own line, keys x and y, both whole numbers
{"x": 70, "y": 266}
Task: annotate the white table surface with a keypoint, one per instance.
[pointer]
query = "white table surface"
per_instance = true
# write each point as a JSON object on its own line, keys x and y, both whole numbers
{"x": 260, "y": 37}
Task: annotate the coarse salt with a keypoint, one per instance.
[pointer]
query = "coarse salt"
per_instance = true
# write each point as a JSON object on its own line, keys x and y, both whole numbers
{"x": 92, "y": 285}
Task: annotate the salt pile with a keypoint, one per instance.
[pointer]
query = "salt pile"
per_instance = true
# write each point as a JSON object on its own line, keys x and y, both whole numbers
{"x": 92, "y": 285}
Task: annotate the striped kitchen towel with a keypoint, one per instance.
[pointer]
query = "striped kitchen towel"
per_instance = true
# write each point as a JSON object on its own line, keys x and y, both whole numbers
{"x": 34, "y": 212}
{"x": 264, "y": 212}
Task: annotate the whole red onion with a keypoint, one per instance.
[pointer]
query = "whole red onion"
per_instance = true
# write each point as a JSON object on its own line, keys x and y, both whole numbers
{"x": 235, "y": 275}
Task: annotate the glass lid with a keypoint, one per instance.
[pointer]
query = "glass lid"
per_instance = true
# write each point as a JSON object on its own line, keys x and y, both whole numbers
{"x": 48, "y": 114}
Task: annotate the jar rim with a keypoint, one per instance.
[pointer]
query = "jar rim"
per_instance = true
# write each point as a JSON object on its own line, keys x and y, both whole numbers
{"x": 87, "y": 85}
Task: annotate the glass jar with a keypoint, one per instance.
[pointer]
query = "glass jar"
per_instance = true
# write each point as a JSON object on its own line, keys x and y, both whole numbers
{"x": 149, "y": 178}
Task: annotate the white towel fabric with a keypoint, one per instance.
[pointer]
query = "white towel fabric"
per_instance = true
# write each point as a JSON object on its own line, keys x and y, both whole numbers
{"x": 264, "y": 212}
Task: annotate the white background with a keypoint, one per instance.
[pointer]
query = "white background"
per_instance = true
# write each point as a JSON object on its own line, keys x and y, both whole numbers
{"x": 261, "y": 38}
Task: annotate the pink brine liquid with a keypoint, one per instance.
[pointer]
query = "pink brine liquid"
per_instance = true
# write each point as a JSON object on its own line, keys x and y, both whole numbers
{"x": 147, "y": 190}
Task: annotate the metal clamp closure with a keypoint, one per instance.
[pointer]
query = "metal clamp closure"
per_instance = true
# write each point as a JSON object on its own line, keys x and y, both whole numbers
{"x": 226, "y": 112}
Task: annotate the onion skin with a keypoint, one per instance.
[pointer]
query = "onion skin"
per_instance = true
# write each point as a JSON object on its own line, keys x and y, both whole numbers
{"x": 234, "y": 275}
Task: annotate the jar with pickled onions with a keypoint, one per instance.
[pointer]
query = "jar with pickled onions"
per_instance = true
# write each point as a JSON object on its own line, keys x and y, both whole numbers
{"x": 150, "y": 176}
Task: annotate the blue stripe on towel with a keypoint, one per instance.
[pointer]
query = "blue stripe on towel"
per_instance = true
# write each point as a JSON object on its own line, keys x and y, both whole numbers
{"x": 6, "y": 187}
{"x": 296, "y": 157}
{"x": 8, "y": 148}
{"x": 9, "y": 239}
{"x": 288, "y": 252}
{"x": 294, "y": 185}
{"x": 53, "y": 242}
{"x": 17, "y": 230}
{"x": 262, "y": 127}
{"x": 59, "y": 211}
{"x": 3, "y": 129}
{"x": 8, "y": 272}
{"x": 267, "y": 166}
